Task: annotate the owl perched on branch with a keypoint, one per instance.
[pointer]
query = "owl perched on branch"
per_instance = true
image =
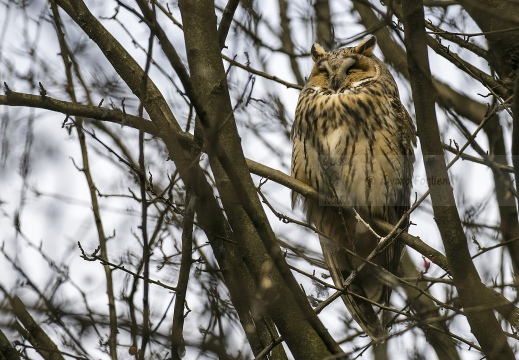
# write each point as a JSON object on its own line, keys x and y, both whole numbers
{"x": 353, "y": 142}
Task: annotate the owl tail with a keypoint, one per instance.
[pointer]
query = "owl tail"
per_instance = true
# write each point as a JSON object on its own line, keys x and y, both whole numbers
{"x": 365, "y": 284}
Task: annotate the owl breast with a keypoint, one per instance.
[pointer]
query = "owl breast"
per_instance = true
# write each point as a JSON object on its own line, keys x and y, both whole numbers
{"x": 350, "y": 143}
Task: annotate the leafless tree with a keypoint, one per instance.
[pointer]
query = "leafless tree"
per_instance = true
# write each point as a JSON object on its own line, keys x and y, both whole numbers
{"x": 144, "y": 196}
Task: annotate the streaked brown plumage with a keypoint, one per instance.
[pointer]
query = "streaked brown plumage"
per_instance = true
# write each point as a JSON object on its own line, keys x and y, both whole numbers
{"x": 353, "y": 142}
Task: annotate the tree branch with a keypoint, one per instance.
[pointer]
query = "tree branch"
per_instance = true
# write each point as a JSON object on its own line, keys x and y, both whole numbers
{"x": 38, "y": 337}
{"x": 466, "y": 279}
{"x": 300, "y": 327}
{"x": 237, "y": 277}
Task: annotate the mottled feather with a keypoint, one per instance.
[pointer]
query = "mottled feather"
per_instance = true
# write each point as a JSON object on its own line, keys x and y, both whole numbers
{"x": 353, "y": 142}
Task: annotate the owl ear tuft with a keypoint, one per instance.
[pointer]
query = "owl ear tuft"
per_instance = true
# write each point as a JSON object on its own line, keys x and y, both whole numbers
{"x": 317, "y": 52}
{"x": 367, "y": 46}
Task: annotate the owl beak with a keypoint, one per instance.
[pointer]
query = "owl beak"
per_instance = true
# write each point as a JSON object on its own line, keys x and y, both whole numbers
{"x": 336, "y": 82}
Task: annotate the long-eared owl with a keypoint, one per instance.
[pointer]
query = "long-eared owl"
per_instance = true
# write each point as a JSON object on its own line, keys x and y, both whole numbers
{"x": 353, "y": 142}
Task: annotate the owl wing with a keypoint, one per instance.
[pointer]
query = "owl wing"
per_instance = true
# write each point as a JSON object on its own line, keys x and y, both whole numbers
{"x": 297, "y": 167}
{"x": 407, "y": 132}
{"x": 407, "y": 141}
{"x": 392, "y": 254}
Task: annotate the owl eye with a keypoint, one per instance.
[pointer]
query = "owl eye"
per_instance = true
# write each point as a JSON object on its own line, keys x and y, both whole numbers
{"x": 349, "y": 66}
{"x": 351, "y": 70}
{"x": 323, "y": 69}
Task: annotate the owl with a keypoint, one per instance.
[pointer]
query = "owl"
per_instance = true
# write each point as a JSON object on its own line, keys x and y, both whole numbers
{"x": 353, "y": 142}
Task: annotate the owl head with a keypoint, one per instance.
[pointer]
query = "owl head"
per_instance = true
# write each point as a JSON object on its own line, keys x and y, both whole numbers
{"x": 344, "y": 69}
